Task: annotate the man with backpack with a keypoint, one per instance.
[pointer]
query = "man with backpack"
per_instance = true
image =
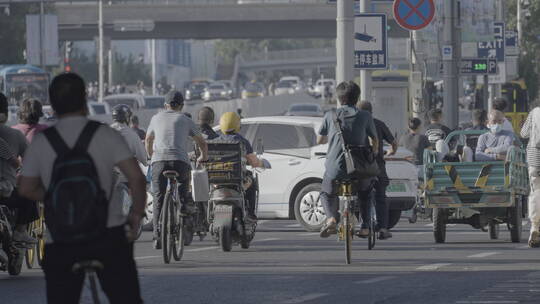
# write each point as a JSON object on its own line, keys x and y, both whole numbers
{"x": 531, "y": 130}
{"x": 357, "y": 126}
{"x": 70, "y": 167}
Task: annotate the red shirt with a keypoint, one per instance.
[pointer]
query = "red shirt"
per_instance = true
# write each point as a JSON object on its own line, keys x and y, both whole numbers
{"x": 30, "y": 130}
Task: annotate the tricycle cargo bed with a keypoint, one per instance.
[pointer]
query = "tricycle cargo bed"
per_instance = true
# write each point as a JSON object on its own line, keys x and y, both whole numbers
{"x": 475, "y": 184}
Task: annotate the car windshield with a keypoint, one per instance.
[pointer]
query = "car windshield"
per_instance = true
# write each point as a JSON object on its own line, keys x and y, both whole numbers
{"x": 217, "y": 87}
{"x": 99, "y": 109}
{"x": 253, "y": 87}
{"x": 304, "y": 108}
{"x": 198, "y": 87}
{"x": 132, "y": 103}
{"x": 285, "y": 84}
{"x": 154, "y": 102}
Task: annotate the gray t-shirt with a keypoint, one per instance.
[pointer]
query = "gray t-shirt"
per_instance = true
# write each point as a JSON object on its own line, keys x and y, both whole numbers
{"x": 107, "y": 148}
{"x": 17, "y": 144}
{"x": 416, "y": 143}
{"x": 357, "y": 125}
{"x": 171, "y": 131}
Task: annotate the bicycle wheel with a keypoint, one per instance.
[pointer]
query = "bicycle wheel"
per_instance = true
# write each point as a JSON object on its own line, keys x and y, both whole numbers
{"x": 371, "y": 226}
{"x": 30, "y": 254}
{"x": 179, "y": 233}
{"x": 348, "y": 236}
{"x": 40, "y": 246}
{"x": 166, "y": 243}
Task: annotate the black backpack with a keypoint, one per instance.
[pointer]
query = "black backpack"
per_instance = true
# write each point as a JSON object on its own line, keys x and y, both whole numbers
{"x": 76, "y": 206}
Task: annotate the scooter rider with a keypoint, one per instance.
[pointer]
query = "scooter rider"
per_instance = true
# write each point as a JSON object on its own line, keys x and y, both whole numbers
{"x": 206, "y": 120}
{"x": 230, "y": 126}
{"x": 167, "y": 142}
{"x": 121, "y": 116}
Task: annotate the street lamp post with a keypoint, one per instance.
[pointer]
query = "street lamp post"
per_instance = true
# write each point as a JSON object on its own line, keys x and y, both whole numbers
{"x": 345, "y": 42}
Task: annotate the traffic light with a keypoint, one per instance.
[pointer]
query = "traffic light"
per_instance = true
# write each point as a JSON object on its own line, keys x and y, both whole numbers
{"x": 67, "y": 53}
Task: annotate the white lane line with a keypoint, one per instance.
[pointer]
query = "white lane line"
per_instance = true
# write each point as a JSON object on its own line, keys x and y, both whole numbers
{"x": 428, "y": 225}
{"x": 266, "y": 240}
{"x": 147, "y": 257}
{"x": 433, "y": 266}
{"x": 523, "y": 247}
{"x": 486, "y": 302}
{"x": 309, "y": 234}
{"x": 482, "y": 255}
{"x": 302, "y": 299}
{"x": 293, "y": 226}
{"x": 202, "y": 249}
{"x": 261, "y": 222}
{"x": 375, "y": 280}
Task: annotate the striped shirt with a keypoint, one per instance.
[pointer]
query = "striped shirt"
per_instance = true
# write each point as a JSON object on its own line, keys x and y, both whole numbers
{"x": 5, "y": 151}
{"x": 533, "y": 153}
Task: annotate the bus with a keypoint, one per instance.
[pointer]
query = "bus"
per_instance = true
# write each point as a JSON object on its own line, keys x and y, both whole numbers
{"x": 18, "y": 82}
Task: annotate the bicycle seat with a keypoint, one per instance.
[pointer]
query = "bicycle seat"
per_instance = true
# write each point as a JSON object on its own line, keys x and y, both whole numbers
{"x": 170, "y": 174}
{"x": 87, "y": 266}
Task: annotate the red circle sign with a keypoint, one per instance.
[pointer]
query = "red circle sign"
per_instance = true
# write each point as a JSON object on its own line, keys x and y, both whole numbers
{"x": 414, "y": 14}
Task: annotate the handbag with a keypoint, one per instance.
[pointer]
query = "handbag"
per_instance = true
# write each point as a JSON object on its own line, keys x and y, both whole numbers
{"x": 360, "y": 161}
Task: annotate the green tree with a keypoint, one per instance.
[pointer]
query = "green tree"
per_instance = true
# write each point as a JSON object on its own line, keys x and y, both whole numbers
{"x": 129, "y": 71}
{"x": 530, "y": 44}
{"x": 13, "y": 33}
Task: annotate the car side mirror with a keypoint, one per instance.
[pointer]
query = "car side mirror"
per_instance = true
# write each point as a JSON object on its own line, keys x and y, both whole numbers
{"x": 259, "y": 148}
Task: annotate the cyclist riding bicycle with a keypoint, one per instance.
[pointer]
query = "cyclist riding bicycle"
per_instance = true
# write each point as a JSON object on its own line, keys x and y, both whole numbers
{"x": 229, "y": 124}
{"x": 357, "y": 126}
{"x": 167, "y": 142}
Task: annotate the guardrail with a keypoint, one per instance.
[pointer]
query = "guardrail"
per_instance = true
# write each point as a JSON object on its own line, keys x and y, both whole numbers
{"x": 196, "y": 2}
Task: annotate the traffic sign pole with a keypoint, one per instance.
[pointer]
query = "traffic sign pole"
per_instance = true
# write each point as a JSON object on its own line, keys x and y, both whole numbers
{"x": 365, "y": 75}
{"x": 451, "y": 72}
{"x": 345, "y": 41}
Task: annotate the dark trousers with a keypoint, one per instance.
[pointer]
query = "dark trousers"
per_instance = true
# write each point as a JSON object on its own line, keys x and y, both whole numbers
{"x": 329, "y": 198}
{"x": 159, "y": 186}
{"x": 251, "y": 197}
{"x": 118, "y": 279}
{"x": 26, "y": 210}
{"x": 381, "y": 205}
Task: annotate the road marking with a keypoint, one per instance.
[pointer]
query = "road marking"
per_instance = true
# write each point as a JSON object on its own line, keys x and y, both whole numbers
{"x": 523, "y": 247}
{"x": 147, "y": 257}
{"x": 266, "y": 240}
{"x": 293, "y": 226}
{"x": 302, "y": 299}
{"x": 433, "y": 266}
{"x": 309, "y": 234}
{"x": 486, "y": 302}
{"x": 428, "y": 225}
{"x": 482, "y": 255}
{"x": 202, "y": 249}
{"x": 261, "y": 222}
{"x": 375, "y": 280}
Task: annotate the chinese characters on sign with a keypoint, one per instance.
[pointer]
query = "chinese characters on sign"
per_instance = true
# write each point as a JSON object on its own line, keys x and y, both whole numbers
{"x": 370, "y": 41}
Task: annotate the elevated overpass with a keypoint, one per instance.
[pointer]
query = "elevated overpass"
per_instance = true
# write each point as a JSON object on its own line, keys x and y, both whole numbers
{"x": 205, "y": 19}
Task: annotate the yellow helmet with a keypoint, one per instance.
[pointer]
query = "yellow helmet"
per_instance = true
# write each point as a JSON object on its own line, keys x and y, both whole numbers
{"x": 229, "y": 123}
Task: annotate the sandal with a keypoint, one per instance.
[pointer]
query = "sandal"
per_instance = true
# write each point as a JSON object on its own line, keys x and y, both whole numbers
{"x": 327, "y": 229}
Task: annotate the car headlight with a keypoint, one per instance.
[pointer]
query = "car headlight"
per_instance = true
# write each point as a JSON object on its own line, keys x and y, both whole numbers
{"x": 223, "y": 93}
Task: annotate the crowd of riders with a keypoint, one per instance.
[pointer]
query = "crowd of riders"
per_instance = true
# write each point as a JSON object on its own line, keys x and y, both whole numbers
{"x": 74, "y": 165}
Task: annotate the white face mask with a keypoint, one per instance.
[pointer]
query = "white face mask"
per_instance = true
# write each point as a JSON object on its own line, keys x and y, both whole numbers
{"x": 495, "y": 128}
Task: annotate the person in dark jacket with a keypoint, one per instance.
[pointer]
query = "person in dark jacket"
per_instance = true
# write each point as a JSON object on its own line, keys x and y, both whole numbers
{"x": 206, "y": 120}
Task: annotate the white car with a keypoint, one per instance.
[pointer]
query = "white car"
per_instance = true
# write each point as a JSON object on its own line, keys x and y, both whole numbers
{"x": 321, "y": 84}
{"x": 134, "y": 101}
{"x": 305, "y": 109}
{"x": 285, "y": 87}
{"x": 291, "y": 188}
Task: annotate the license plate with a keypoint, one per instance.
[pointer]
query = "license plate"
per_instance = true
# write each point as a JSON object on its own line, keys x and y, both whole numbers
{"x": 396, "y": 187}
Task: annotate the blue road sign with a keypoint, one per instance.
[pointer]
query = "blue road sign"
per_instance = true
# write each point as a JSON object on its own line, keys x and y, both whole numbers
{"x": 511, "y": 43}
{"x": 494, "y": 48}
{"x": 414, "y": 14}
{"x": 370, "y": 41}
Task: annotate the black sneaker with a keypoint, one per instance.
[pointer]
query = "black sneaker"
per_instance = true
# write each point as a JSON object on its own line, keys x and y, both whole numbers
{"x": 157, "y": 244}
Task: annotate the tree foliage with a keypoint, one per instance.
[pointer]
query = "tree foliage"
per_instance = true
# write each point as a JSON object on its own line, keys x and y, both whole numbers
{"x": 530, "y": 44}
{"x": 13, "y": 33}
{"x": 227, "y": 50}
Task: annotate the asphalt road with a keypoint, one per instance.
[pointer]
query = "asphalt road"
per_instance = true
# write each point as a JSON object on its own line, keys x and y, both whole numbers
{"x": 285, "y": 264}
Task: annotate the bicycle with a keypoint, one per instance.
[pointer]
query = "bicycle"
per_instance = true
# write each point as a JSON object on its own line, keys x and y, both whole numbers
{"x": 89, "y": 268}
{"x": 349, "y": 218}
{"x": 172, "y": 221}
{"x": 36, "y": 229}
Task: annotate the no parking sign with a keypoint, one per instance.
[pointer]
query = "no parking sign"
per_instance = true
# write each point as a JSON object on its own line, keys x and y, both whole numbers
{"x": 414, "y": 14}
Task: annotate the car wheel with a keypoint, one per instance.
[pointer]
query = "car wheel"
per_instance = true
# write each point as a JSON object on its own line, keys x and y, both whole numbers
{"x": 393, "y": 218}
{"x": 308, "y": 208}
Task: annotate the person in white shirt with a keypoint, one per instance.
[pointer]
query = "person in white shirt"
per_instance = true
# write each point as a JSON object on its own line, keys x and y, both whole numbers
{"x": 500, "y": 104}
{"x": 121, "y": 115}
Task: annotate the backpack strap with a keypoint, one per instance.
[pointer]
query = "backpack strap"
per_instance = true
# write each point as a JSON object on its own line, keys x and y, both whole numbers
{"x": 56, "y": 141}
{"x": 86, "y": 135}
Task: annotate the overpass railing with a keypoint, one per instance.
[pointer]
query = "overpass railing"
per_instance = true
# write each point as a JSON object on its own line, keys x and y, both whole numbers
{"x": 200, "y": 2}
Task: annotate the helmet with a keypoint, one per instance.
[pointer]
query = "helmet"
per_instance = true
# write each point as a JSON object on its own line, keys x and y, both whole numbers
{"x": 174, "y": 98}
{"x": 121, "y": 113}
{"x": 206, "y": 115}
{"x": 229, "y": 123}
